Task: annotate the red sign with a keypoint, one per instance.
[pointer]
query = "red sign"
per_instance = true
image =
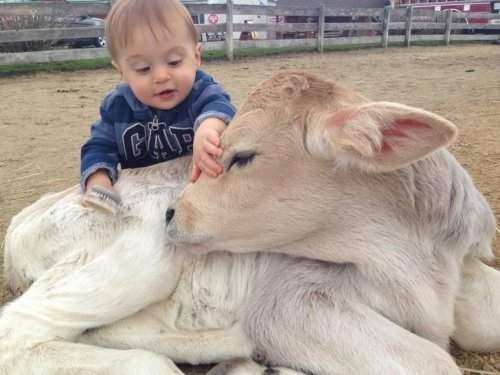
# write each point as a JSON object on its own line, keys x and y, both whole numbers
{"x": 213, "y": 18}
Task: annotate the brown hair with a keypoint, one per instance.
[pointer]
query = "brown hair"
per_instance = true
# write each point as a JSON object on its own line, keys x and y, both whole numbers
{"x": 126, "y": 15}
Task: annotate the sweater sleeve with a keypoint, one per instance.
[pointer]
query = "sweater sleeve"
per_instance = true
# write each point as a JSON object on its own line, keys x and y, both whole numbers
{"x": 212, "y": 102}
{"x": 100, "y": 151}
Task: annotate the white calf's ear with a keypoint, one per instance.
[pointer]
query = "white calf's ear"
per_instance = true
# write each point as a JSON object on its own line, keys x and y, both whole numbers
{"x": 379, "y": 136}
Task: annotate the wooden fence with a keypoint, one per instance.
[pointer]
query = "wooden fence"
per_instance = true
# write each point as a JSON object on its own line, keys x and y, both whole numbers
{"x": 315, "y": 28}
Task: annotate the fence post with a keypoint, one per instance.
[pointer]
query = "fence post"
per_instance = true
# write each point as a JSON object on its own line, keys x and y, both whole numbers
{"x": 447, "y": 29}
{"x": 409, "y": 19}
{"x": 229, "y": 30}
{"x": 386, "y": 26}
{"x": 321, "y": 28}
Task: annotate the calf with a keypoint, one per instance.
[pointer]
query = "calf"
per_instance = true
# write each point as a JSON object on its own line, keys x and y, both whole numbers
{"x": 371, "y": 242}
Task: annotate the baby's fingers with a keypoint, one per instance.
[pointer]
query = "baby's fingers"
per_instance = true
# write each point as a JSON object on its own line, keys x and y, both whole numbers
{"x": 195, "y": 172}
{"x": 209, "y": 166}
{"x": 214, "y": 138}
{"x": 212, "y": 149}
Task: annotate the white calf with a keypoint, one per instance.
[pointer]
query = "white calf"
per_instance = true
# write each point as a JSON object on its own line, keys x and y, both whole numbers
{"x": 401, "y": 238}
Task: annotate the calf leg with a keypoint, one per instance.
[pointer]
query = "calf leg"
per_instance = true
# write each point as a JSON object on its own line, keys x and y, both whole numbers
{"x": 87, "y": 289}
{"x": 45, "y": 232}
{"x": 182, "y": 346}
{"x": 307, "y": 330}
{"x": 477, "y": 309}
{"x": 18, "y": 357}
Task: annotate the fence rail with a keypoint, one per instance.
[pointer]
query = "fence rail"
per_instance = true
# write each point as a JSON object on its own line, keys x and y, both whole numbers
{"x": 317, "y": 28}
{"x": 60, "y": 9}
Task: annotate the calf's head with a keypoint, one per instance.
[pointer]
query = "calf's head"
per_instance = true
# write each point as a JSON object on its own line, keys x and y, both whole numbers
{"x": 289, "y": 154}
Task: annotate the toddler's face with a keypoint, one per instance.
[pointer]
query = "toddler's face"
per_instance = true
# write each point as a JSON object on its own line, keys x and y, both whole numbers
{"x": 160, "y": 70}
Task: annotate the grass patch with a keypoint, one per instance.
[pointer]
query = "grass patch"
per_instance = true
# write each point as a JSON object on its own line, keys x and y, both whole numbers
{"x": 61, "y": 66}
{"x": 258, "y": 52}
{"x": 90, "y": 64}
{"x": 76, "y": 65}
{"x": 262, "y": 52}
{"x": 254, "y": 52}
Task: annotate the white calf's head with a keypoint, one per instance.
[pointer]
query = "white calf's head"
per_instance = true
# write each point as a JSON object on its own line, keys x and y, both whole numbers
{"x": 290, "y": 157}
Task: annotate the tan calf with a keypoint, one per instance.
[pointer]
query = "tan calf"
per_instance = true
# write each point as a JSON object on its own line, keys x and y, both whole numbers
{"x": 393, "y": 227}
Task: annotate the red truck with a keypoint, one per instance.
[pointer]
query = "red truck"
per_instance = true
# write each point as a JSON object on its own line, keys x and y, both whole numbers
{"x": 465, "y": 7}
{"x": 462, "y": 6}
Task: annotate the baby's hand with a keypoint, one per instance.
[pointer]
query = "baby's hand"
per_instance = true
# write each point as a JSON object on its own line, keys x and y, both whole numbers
{"x": 206, "y": 148}
{"x": 100, "y": 178}
{"x": 99, "y": 193}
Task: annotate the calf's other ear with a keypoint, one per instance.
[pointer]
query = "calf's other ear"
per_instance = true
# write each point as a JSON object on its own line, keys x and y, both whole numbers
{"x": 378, "y": 136}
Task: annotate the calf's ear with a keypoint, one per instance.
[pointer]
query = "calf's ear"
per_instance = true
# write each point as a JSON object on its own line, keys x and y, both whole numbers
{"x": 378, "y": 136}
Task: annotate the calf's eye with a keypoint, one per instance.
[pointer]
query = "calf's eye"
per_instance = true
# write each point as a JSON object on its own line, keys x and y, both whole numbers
{"x": 241, "y": 159}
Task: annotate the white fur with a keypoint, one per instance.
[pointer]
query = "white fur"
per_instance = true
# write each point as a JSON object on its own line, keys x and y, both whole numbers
{"x": 393, "y": 268}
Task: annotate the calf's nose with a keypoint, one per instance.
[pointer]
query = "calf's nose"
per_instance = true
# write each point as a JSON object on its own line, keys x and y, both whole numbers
{"x": 169, "y": 214}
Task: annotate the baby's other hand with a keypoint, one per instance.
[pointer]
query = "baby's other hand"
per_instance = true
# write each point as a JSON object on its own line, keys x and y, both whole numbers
{"x": 99, "y": 193}
{"x": 100, "y": 178}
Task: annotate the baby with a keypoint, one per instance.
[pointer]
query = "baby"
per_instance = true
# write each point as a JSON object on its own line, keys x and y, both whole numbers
{"x": 167, "y": 107}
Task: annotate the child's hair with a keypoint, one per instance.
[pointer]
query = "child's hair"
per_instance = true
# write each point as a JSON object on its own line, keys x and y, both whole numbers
{"x": 126, "y": 15}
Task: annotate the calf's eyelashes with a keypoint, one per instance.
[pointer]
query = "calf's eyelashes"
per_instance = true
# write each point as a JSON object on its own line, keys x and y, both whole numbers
{"x": 241, "y": 159}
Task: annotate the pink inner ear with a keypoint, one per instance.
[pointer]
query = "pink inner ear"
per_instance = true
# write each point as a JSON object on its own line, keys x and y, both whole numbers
{"x": 386, "y": 147}
{"x": 400, "y": 129}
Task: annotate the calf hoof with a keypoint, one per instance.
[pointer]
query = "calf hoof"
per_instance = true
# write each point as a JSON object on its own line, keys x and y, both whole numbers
{"x": 241, "y": 366}
{"x": 18, "y": 285}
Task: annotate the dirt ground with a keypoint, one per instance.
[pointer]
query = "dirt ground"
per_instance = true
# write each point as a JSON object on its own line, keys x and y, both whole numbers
{"x": 44, "y": 118}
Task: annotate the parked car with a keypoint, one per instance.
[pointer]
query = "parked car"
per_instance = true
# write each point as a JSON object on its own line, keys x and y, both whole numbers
{"x": 82, "y": 21}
